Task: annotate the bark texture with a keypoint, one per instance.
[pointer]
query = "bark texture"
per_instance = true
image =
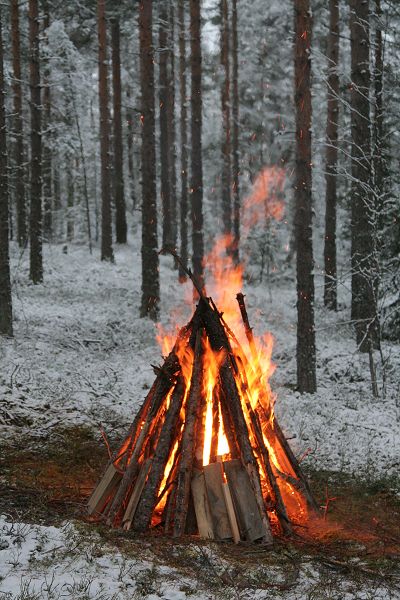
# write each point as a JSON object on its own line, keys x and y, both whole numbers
{"x": 36, "y": 260}
{"x": 235, "y": 135}
{"x": 226, "y": 123}
{"x": 6, "y": 327}
{"x": 184, "y": 141}
{"x": 106, "y": 224}
{"x": 164, "y": 102}
{"x": 196, "y": 136}
{"x": 330, "y": 289}
{"x": 150, "y": 261}
{"x": 20, "y": 194}
{"x": 363, "y": 217}
{"x": 306, "y": 377}
{"x": 46, "y": 162}
{"x": 120, "y": 209}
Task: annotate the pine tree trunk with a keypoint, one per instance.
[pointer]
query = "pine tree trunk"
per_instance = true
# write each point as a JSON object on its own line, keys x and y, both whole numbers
{"x": 363, "y": 242}
{"x": 20, "y": 194}
{"x": 70, "y": 198}
{"x": 150, "y": 261}
{"x": 171, "y": 124}
{"x": 6, "y": 326}
{"x": 120, "y": 209}
{"x": 330, "y": 289}
{"x": 378, "y": 129}
{"x": 235, "y": 135}
{"x": 164, "y": 100}
{"x": 46, "y": 162}
{"x": 306, "y": 377}
{"x": 184, "y": 140}
{"x": 196, "y": 131}
{"x": 36, "y": 260}
{"x": 106, "y": 223}
{"x": 129, "y": 143}
{"x": 226, "y": 125}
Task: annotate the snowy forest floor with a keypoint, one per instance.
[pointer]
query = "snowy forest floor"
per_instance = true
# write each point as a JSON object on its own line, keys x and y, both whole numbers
{"x": 81, "y": 359}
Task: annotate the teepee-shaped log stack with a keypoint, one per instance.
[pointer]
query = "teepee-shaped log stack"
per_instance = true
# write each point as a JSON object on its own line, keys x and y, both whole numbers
{"x": 171, "y": 473}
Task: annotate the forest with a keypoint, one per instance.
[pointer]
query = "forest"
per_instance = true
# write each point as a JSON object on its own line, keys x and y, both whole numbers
{"x": 199, "y": 299}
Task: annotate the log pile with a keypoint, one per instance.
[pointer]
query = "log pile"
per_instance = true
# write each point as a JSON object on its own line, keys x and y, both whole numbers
{"x": 159, "y": 478}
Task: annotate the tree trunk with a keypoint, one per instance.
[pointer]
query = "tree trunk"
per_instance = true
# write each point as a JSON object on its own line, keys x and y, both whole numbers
{"x": 171, "y": 124}
{"x": 226, "y": 125}
{"x": 46, "y": 162}
{"x": 150, "y": 261}
{"x": 70, "y": 197}
{"x": 196, "y": 131}
{"x": 378, "y": 129}
{"x": 120, "y": 209}
{"x": 106, "y": 224}
{"x": 36, "y": 260}
{"x": 363, "y": 242}
{"x": 20, "y": 195}
{"x": 6, "y": 327}
{"x": 183, "y": 136}
{"x": 130, "y": 119}
{"x": 306, "y": 377}
{"x": 235, "y": 135}
{"x": 164, "y": 100}
{"x": 330, "y": 289}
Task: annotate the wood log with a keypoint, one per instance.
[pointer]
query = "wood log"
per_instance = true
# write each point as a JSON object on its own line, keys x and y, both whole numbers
{"x": 164, "y": 383}
{"x": 219, "y": 514}
{"x": 149, "y": 498}
{"x": 231, "y": 513}
{"x": 188, "y": 440}
{"x": 215, "y": 425}
{"x": 246, "y": 508}
{"x": 105, "y": 488}
{"x": 201, "y": 505}
{"x": 136, "y": 494}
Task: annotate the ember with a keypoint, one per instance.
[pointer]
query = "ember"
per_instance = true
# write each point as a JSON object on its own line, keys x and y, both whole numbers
{"x": 205, "y": 454}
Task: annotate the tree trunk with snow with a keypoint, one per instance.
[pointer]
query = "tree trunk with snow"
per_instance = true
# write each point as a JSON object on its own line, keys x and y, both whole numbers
{"x": 306, "y": 358}
{"x": 164, "y": 100}
{"x": 46, "y": 163}
{"x": 150, "y": 260}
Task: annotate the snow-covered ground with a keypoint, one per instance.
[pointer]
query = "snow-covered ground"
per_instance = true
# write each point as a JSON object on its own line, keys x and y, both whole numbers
{"x": 82, "y": 355}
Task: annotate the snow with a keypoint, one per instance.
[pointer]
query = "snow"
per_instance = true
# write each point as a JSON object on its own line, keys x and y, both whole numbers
{"x": 82, "y": 355}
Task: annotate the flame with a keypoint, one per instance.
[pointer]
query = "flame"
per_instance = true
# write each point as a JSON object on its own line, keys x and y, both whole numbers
{"x": 212, "y": 363}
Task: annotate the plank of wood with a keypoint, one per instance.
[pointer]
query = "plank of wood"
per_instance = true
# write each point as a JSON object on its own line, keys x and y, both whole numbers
{"x": 231, "y": 513}
{"x": 250, "y": 524}
{"x": 102, "y": 492}
{"x": 220, "y": 519}
{"x": 136, "y": 493}
{"x": 201, "y": 506}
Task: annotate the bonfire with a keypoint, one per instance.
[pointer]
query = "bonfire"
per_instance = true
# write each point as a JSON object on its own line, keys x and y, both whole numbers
{"x": 205, "y": 454}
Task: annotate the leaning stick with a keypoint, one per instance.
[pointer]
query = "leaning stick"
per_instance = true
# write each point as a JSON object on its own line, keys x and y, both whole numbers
{"x": 149, "y": 498}
{"x": 188, "y": 440}
{"x": 164, "y": 384}
{"x": 294, "y": 463}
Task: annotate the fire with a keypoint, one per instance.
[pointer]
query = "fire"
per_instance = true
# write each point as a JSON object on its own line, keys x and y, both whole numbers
{"x": 224, "y": 279}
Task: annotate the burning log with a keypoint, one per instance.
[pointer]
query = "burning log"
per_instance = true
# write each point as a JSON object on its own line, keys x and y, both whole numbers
{"x": 201, "y": 455}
